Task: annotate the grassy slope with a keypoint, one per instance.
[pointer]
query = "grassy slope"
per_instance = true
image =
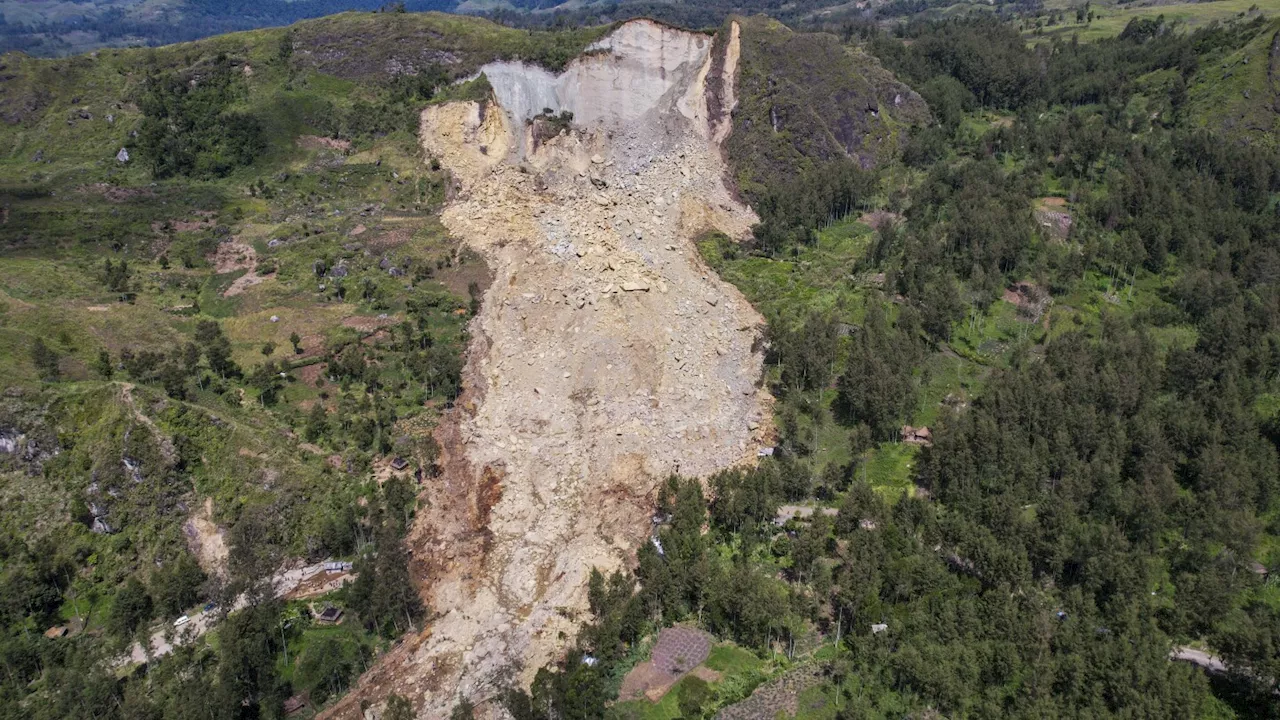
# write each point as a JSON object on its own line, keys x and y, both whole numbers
{"x": 1240, "y": 94}
{"x": 793, "y": 111}
{"x": 1110, "y": 19}
{"x": 66, "y": 204}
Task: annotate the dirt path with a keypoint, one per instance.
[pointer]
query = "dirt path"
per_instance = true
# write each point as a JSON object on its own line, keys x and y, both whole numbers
{"x": 295, "y": 581}
{"x": 126, "y": 394}
{"x": 606, "y": 355}
{"x": 1206, "y": 661}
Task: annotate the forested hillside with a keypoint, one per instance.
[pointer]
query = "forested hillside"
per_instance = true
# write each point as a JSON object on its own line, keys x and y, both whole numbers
{"x": 229, "y": 321}
{"x": 1067, "y": 278}
{"x": 67, "y": 27}
{"x": 1022, "y": 297}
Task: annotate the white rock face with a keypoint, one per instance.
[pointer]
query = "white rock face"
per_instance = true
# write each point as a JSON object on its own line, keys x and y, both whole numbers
{"x": 523, "y": 90}
{"x": 623, "y": 76}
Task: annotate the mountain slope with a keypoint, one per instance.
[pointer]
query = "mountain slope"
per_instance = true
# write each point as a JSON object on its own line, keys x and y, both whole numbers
{"x": 288, "y": 241}
{"x": 804, "y": 99}
{"x": 1241, "y": 94}
{"x": 607, "y": 357}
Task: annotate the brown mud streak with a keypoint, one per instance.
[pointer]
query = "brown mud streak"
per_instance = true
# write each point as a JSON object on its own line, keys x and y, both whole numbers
{"x": 450, "y": 528}
{"x": 457, "y": 524}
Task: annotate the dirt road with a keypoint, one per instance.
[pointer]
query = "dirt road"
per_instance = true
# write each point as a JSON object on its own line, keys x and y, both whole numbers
{"x": 1208, "y": 662}
{"x": 287, "y": 582}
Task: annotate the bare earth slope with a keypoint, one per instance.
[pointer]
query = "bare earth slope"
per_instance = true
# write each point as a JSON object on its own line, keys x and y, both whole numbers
{"x": 605, "y": 356}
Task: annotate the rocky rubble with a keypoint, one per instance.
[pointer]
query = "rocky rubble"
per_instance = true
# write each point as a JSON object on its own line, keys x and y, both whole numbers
{"x": 606, "y": 356}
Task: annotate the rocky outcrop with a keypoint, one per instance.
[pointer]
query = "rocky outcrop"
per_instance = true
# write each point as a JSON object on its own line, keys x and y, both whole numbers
{"x": 605, "y": 356}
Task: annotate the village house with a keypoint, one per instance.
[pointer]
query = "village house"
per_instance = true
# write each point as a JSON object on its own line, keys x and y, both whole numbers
{"x": 295, "y": 704}
{"x": 329, "y": 616}
{"x": 916, "y": 436}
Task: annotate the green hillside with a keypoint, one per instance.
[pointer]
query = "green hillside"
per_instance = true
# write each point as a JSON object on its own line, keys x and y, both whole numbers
{"x": 1110, "y": 18}
{"x": 232, "y": 329}
{"x": 1059, "y": 258}
{"x": 795, "y": 114}
{"x": 1241, "y": 94}
{"x": 1068, "y": 278}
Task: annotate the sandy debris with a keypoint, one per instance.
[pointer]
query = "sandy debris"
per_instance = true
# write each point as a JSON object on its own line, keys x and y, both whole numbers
{"x": 605, "y": 356}
{"x": 206, "y": 540}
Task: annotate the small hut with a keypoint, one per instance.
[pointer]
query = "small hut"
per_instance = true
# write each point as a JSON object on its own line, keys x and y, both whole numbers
{"x": 917, "y": 436}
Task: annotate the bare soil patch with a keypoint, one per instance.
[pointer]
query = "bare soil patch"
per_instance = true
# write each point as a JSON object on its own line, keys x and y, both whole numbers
{"x": 877, "y": 219}
{"x": 367, "y": 324}
{"x": 389, "y": 239}
{"x": 458, "y": 277}
{"x": 1024, "y": 294}
{"x": 1052, "y": 214}
{"x": 645, "y": 681}
{"x": 233, "y": 255}
{"x": 706, "y": 673}
{"x": 1031, "y": 300}
{"x": 315, "y": 142}
{"x": 310, "y": 373}
{"x": 243, "y": 283}
{"x": 206, "y": 540}
{"x": 116, "y": 194}
{"x": 679, "y": 651}
{"x": 376, "y": 337}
